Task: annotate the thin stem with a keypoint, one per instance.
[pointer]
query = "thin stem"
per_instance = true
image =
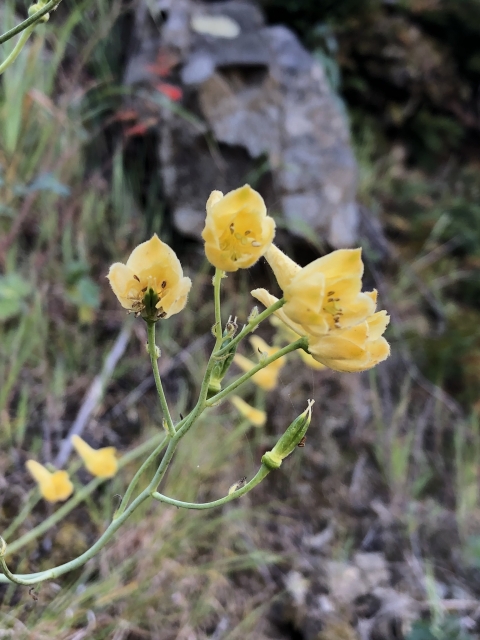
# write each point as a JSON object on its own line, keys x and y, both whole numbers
{"x": 65, "y": 509}
{"x": 217, "y": 280}
{"x": 30, "y": 502}
{"x": 152, "y": 350}
{"x": 251, "y": 326}
{"x": 31, "y": 20}
{"x": 17, "y": 49}
{"x": 55, "y": 572}
{"x": 298, "y": 344}
{"x": 201, "y": 402}
{"x": 261, "y": 474}
{"x": 136, "y": 477}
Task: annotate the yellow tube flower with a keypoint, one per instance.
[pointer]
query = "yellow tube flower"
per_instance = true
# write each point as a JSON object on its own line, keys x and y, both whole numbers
{"x": 355, "y": 349}
{"x": 255, "y": 416}
{"x": 237, "y": 230}
{"x": 151, "y": 283}
{"x": 326, "y": 294}
{"x": 290, "y": 336}
{"x": 100, "y": 462}
{"x": 54, "y": 486}
{"x": 266, "y": 378}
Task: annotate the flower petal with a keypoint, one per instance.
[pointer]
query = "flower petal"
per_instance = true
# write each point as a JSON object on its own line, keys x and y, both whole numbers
{"x": 152, "y": 252}
{"x": 284, "y": 268}
{"x": 124, "y": 285}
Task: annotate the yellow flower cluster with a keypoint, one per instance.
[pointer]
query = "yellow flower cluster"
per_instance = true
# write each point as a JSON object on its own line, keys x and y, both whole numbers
{"x": 324, "y": 302}
{"x": 56, "y": 486}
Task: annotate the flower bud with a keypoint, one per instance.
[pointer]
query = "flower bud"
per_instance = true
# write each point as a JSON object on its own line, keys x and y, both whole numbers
{"x": 223, "y": 364}
{"x": 36, "y": 7}
{"x": 292, "y": 437}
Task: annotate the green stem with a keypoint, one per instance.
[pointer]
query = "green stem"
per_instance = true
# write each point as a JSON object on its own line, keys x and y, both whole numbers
{"x": 251, "y": 326}
{"x": 55, "y": 572}
{"x": 217, "y": 280}
{"x": 201, "y": 402}
{"x": 152, "y": 350}
{"x": 261, "y": 474}
{"x": 301, "y": 343}
{"x": 17, "y": 48}
{"x": 65, "y": 509}
{"x": 31, "y": 20}
{"x": 136, "y": 477}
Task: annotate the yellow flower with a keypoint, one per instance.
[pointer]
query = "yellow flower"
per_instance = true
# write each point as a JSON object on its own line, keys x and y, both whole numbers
{"x": 290, "y": 335}
{"x": 352, "y": 349}
{"x": 237, "y": 230}
{"x": 355, "y": 349}
{"x": 54, "y": 486}
{"x": 100, "y": 462}
{"x": 266, "y": 378}
{"x": 326, "y": 294}
{"x": 255, "y": 416}
{"x": 151, "y": 283}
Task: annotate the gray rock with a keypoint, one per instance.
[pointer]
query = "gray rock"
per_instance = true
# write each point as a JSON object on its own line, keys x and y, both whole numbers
{"x": 260, "y": 100}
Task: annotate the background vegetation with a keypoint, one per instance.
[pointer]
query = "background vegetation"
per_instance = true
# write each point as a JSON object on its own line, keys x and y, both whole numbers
{"x": 72, "y": 202}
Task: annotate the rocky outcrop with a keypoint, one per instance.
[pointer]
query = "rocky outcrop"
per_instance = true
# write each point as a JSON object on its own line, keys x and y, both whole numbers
{"x": 255, "y": 107}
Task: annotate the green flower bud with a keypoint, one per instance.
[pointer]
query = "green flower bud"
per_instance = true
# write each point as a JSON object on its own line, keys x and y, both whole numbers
{"x": 292, "y": 437}
{"x": 36, "y": 7}
{"x": 223, "y": 364}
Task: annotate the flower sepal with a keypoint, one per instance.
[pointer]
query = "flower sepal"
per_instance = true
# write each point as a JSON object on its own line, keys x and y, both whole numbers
{"x": 291, "y": 439}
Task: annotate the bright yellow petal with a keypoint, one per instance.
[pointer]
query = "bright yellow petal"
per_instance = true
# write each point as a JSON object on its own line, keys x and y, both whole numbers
{"x": 176, "y": 300}
{"x": 255, "y": 416}
{"x": 213, "y": 198}
{"x": 40, "y": 474}
{"x": 124, "y": 285}
{"x": 54, "y": 486}
{"x": 335, "y": 346}
{"x": 100, "y": 462}
{"x": 267, "y": 299}
{"x": 151, "y": 252}
{"x": 63, "y": 488}
{"x": 338, "y": 263}
{"x": 239, "y": 201}
{"x": 377, "y": 324}
{"x": 284, "y": 268}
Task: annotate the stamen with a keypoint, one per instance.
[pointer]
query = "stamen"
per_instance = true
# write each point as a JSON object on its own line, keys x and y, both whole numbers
{"x": 330, "y": 293}
{"x": 248, "y": 232}
{"x": 256, "y": 244}
{"x": 232, "y": 227}
{"x": 136, "y": 278}
{"x": 164, "y": 284}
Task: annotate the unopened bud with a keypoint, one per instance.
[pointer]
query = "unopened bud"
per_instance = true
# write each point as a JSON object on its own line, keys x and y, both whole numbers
{"x": 292, "y": 437}
{"x": 36, "y": 7}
